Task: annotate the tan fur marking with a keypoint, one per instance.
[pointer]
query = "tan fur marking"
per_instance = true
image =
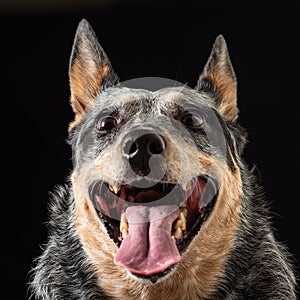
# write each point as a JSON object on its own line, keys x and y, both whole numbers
{"x": 127, "y": 98}
{"x": 74, "y": 123}
{"x": 226, "y": 88}
{"x": 219, "y": 70}
{"x": 85, "y": 82}
{"x": 173, "y": 96}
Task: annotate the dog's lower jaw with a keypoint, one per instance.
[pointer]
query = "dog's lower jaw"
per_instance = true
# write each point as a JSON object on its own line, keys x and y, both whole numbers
{"x": 204, "y": 259}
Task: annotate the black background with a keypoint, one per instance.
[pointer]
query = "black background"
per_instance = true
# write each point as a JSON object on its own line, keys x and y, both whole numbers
{"x": 146, "y": 38}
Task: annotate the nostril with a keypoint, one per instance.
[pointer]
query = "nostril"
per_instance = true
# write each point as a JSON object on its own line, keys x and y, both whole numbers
{"x": 156, "y": 147}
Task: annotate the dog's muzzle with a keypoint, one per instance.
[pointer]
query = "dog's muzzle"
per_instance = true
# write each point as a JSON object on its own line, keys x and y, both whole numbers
{"x": 152, "y": 220}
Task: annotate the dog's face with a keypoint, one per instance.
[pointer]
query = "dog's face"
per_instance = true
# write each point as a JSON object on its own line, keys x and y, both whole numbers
{"x": 156, "y": 170}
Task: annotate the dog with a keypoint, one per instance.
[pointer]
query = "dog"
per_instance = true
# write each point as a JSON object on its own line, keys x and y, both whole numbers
{"x": 160, "y": 203}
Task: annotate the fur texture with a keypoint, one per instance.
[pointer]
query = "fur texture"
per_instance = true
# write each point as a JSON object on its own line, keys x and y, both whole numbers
{"x": 234, "y": 255}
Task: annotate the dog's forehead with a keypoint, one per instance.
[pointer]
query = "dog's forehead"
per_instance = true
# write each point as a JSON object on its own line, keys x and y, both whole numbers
{"x": 182, "y": 96}
{"x": 166, "y": 97}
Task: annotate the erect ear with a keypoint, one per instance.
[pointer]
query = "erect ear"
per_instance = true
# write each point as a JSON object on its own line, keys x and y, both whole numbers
{"x": 218, "y": 77}
{"x": 90, "y": 70}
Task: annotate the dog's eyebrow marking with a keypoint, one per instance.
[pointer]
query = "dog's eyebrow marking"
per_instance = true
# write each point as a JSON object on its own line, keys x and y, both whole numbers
{"x": 172, "y": 96}
{"x": 126, "y": 98}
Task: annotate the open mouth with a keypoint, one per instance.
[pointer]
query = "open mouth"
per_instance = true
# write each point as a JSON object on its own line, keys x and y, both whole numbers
{"x": 152, "y": 223}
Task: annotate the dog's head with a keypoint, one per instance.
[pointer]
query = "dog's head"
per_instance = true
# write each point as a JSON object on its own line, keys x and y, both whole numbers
{"x": 157, "y": 169}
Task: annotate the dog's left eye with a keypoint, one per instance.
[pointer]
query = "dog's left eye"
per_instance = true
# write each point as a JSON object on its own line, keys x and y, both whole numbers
{"x": 192, "y": 121}
{"x": 107, "y": 123}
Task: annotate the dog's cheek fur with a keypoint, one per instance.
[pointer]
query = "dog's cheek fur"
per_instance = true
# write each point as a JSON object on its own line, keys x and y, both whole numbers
{"x": 100, "y": 251}
{"x": 238, "y": 136}
{"x": 210, "y": 249}
{"x": 95, "y": 241}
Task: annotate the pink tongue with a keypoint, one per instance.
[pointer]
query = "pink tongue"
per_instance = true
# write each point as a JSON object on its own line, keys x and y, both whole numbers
{"x": 149, "y": 247}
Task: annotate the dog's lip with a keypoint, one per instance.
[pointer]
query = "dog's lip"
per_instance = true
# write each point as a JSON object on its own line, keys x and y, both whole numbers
{"x": 113, "y": 225}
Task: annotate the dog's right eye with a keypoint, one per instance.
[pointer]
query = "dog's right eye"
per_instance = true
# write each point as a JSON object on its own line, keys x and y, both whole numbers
{"x": 107, "y": 123}
{"x": 192, "y": 120}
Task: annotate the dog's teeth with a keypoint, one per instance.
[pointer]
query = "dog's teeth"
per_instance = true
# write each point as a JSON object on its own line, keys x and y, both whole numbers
{"x": 124, "y": 225}
{"x": 117, "y": 188}
{"x": 114, "y": 188}
{"x": 124, "y": 233}
{"x": 187, "y": 185}
{"x": 180, "y": 225}
{"x": 181, "y": 222}
{"x": 178, "y": 233}
{"x": 124, "y": 230}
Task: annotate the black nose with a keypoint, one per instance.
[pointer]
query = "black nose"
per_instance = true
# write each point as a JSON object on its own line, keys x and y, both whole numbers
{"x": 139, "y": 146}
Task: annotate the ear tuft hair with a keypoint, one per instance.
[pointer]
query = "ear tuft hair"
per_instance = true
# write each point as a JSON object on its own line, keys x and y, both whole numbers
{"x": 218, "y": 77}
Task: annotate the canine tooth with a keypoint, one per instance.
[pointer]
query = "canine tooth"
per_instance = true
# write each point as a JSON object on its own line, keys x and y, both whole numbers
{"x": 124, "y": 230}
{"x": 184, "y": 186}
{"x": 178, "y": 233}
{"x": 124, "y": 225}
{"x": 179, "y": 226}
{"x": 181, "y": 222}
{"x": 187, "y": 185}
{"x": 114, "y": 188}
{"x": 124, "y": 233}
